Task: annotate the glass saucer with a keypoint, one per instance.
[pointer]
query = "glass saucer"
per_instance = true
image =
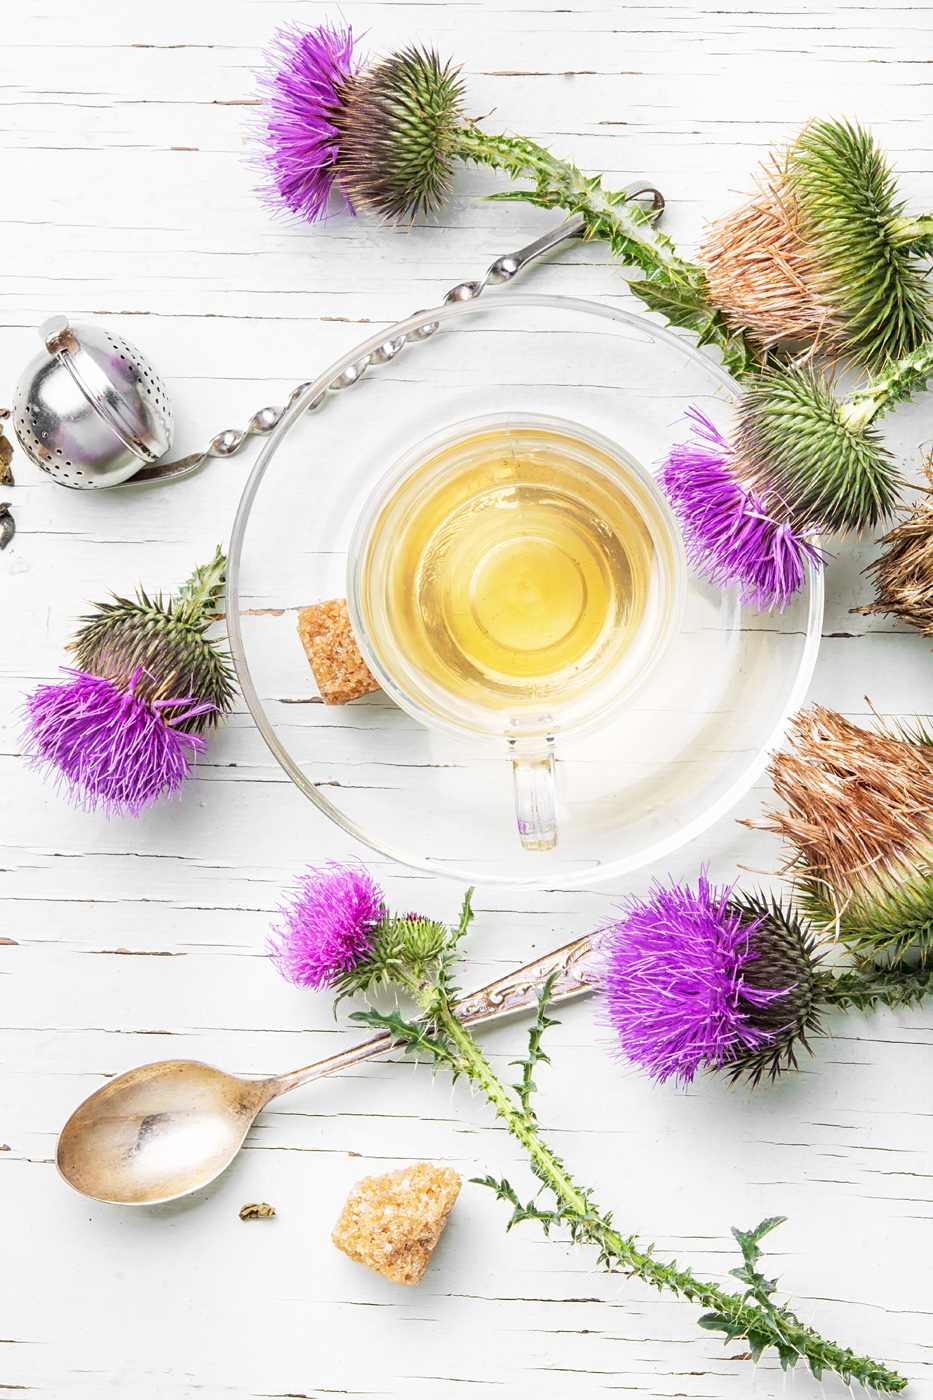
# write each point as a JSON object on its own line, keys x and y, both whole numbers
{"x": 695, "y": 739}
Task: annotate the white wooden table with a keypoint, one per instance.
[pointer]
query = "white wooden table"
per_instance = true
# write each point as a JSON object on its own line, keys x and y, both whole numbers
{"x": 127, "y": 196}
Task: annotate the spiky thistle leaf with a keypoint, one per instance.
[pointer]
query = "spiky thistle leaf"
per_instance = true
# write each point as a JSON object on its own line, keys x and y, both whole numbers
{"x": 865, "y": 989}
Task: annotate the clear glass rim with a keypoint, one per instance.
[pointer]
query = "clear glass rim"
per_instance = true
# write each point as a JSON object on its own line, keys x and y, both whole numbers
{"x": 666, "y": 533}
{"x": 592, "y": 874}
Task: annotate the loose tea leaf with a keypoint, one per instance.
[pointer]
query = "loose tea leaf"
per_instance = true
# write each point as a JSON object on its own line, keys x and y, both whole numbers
{"x": 6, "y": 457}
{"x": 7, "y": 524}
{"x": 256, "y": 1210}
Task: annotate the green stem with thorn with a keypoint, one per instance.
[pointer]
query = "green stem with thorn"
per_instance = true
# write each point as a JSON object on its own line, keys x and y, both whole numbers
{"x": 864, "y": 990}
{"x": 894, "y": 385}
{"x": 916, "y": 232}
{"x": 673, "y": 287}
{"x": 439, "y": 1035}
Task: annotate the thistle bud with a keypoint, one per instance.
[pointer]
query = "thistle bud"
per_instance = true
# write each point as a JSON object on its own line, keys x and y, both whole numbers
{"x": 709, "y": 980}
{"x": 903, "y": 573}
{"x": 858, "y": 822}
{"x": 822, "y": 253}
{"x": 751, "y": 507}
{"x": 124, "y": 730}
{"x": 394, "y": 127}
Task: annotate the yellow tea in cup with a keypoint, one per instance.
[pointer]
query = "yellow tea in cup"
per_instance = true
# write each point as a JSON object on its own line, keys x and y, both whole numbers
{"x": 515, "y": 577}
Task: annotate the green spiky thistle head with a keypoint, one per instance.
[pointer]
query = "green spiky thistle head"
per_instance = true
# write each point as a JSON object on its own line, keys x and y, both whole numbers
{"x": 793, "y": 447}
{"x": 394, "y": 155}
{"x": 784, "y": 960}
{"x": 823, "y": 254}
{"x": 858, "y": 821}
{"x": 402, "y": 946}
{"x": 378, "y": 132}
{"x": 168, "y": 641}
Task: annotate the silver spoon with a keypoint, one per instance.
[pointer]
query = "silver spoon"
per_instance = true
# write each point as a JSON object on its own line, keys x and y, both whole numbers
{"x": 161, "y": 1131}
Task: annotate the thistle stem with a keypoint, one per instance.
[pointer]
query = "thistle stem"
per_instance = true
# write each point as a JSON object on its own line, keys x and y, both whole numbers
{"x": 895, "y": 385}
{"x": 559, "y": 184}
{"x": 764, "y": 1325}
{"x": 201, "y": 592}
{"x": 908, "y": 231}
{"x": 863, "y": 990}
{"x": 674, "y": 287}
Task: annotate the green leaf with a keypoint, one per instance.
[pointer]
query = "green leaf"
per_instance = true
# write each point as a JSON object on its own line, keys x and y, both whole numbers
{"x": 200, "y": 593}
{"x": 789, "y": 1356}
{"x": 412, "y": 1036}
{"x": 718, "y": 1322}
{"x": 535, "y": 1056}
{"x": 466, "y": 915}
{"x": 503, "y": 1189}
{"x": 684, "y": 302}
{"x": 749, "y": 1238}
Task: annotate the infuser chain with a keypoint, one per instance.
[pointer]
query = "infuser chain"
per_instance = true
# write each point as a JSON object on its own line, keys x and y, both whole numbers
{"x": 229, "y": 442}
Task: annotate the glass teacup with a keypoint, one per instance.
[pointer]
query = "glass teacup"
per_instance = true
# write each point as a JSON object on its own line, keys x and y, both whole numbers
{"x": 513, "y": 582}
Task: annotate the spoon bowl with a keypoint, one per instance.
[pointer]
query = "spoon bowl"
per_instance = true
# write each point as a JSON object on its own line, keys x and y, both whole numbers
{"x": 159, "y": 1132}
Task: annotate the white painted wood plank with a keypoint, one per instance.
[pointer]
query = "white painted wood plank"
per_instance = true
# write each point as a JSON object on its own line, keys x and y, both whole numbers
{"x": 102, "y": 217}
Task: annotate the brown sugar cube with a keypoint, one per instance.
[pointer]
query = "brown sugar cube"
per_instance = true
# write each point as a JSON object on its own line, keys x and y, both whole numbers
{"x": 330, "y": 646}
{"x": 391, "y": 1223}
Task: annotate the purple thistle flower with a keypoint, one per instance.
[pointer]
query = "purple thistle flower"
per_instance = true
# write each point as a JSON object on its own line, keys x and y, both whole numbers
{"x": 113, "y": 750}
{"x": 675, "y": 988}
{"x": 729, "y": 531}
{"x": 303, "y": 82}
{"x": 327, "y": 925}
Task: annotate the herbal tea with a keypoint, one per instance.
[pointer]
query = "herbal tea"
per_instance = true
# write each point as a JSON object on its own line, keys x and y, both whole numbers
{"x": 513, "y": 569}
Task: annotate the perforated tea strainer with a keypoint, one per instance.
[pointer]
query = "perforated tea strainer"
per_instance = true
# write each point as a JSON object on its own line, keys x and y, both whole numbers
{"x": 92, "y": 412}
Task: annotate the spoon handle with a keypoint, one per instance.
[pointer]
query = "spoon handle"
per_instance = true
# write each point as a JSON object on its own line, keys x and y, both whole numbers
{"x": 577, "y": 968}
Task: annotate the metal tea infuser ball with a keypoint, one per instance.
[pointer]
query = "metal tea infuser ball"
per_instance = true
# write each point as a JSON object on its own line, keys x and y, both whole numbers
{"x": 91, "y": 411}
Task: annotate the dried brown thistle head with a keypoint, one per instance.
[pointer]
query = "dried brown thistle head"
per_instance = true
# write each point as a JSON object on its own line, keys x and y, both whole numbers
{"x": 761, "y": 272}
{"x": 823, "y": 254}
{"x": 859, "y": 803}
{"x": 903, "y": 574}
{"x": 858, "y": 819}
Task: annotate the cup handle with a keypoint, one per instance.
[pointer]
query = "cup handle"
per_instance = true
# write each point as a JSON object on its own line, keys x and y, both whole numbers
{"x": 535, "y": 794}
